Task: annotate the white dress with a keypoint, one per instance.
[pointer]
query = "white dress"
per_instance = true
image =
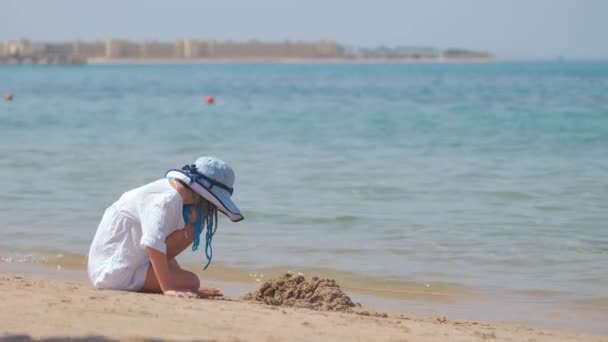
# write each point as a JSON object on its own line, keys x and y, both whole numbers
{"x": 141, "y": 217}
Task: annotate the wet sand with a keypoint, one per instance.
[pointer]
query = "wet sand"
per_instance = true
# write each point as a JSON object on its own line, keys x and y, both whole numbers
{"x": 39, "y": 307}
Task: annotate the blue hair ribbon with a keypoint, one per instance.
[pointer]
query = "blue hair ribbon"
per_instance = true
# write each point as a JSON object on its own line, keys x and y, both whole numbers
{"x": 198, "y": 229}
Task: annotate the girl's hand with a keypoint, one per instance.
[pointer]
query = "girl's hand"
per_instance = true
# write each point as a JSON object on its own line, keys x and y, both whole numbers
{"x": 180, "y": 294}
{"x": 206, "y": 292}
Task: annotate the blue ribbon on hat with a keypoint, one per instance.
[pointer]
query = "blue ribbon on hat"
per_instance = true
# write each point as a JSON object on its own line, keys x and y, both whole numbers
{"x": 195, "y": 175}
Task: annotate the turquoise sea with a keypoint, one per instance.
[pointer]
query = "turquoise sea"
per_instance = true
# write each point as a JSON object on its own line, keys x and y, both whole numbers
{"x": 477, "y": 190}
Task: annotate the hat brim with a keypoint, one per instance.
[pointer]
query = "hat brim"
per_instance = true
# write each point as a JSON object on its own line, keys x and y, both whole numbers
{"x": 216, "y": 195}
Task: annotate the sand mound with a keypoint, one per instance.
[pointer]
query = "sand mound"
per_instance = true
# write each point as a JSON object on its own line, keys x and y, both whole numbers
{"x": 296, "y": 291}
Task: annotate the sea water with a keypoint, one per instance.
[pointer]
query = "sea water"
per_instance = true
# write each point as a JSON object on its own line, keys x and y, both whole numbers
{"x": 489, "y": 179}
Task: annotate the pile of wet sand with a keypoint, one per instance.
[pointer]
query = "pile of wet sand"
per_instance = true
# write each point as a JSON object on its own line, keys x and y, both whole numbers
{"x": 296, "y": 291}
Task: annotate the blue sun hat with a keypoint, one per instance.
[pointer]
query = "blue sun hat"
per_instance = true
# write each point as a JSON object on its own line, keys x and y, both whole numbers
{"x": 213, "y": 179}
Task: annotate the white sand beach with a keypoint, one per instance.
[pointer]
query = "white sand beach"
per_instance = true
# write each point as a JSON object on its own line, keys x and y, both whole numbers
{"x": 40, "y": 308}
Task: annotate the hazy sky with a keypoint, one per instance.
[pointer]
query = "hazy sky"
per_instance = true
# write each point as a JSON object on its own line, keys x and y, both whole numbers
{"x": 513, "y": 29}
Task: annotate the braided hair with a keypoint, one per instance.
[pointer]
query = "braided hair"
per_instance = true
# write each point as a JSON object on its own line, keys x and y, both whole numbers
{"x": 210, "y": 211}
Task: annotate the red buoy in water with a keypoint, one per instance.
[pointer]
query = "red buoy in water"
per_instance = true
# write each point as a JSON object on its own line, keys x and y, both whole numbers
{"x": 209, "y": 100}
{"x": 8, "y": 96}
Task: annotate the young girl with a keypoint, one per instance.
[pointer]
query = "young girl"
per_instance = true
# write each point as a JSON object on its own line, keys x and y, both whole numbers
{"x": 140, "y": 235}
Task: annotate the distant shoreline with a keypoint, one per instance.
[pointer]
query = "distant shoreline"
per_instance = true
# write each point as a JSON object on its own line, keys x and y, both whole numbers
{"x": 153, "y": 61}
{"x": 194, "y": 51}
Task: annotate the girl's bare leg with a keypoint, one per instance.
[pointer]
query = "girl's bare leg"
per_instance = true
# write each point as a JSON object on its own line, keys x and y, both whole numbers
{"x": 182, "y": 280}
{"x": 177, "y": 242}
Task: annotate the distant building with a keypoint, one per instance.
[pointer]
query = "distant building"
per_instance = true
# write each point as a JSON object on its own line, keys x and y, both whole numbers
{"x": 327, "y": 49}
{"x": 89, "y": 50}
{"x": 466, "y": 54}
{"x": 18, "y": 48}
{"x": 401, "y": 52}
{"x": 157, "y": 50}
{"x": 122, "y": 49}
{"x": 194, "y": 49}
{"x": 415, "y": 52}
{"x": 254, "y": 49}
{"x": 24, "y": 51}
{"x": 63, "y": 49}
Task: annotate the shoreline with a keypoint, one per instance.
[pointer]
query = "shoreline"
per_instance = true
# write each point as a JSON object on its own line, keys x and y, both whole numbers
{"x": 506, "y": 310}
{"x": 195, "y": 61}
{"x": 539, "y": 309}
{"x": 228, "y": 61}
{"x": 40, "y": 307}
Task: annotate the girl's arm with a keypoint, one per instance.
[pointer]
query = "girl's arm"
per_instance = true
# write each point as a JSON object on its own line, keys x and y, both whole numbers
{"x": 179, "y": 240}
{"x": 161, "y": 269}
